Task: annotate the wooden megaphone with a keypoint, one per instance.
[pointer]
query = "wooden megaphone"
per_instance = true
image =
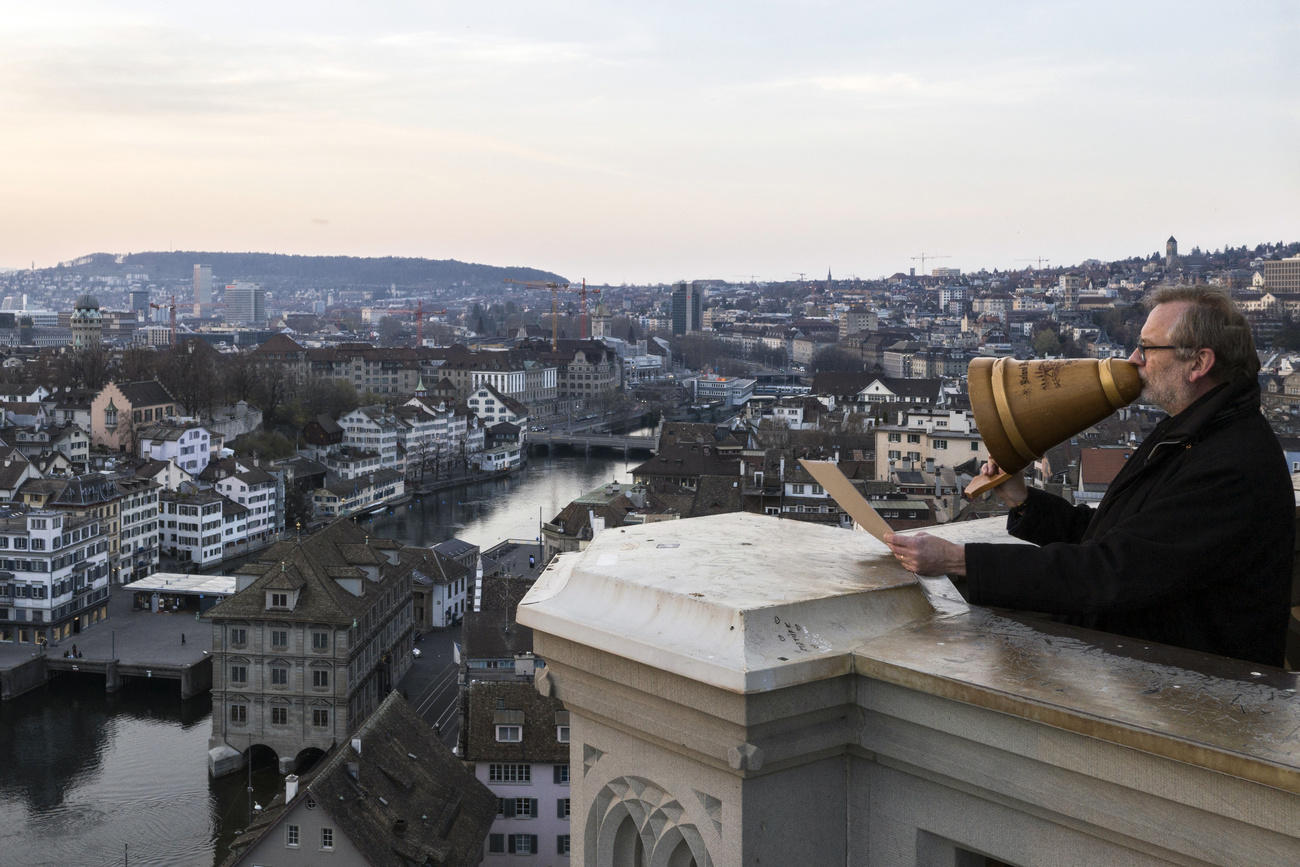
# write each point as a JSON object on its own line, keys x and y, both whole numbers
{"x": 1023, "y": 408}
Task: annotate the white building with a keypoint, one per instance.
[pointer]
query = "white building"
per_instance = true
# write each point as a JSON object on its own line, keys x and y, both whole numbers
{"x": 731, "y": 390}
{"x": 373, "y": 429}
{"x": 255, "y": 489}
{"x": 491, "y": 406}
{"x": 189, "y": 447}
{"x": 54, "y": 575}
{"x": 193, "y": 526}
{"x": 139, "y": 540}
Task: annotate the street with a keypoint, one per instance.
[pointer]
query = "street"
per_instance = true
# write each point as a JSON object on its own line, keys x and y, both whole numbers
{"x": 430, "y": 684}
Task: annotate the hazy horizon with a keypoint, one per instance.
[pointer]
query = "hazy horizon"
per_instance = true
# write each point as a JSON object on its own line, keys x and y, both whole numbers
{"x": 723, "y": 141}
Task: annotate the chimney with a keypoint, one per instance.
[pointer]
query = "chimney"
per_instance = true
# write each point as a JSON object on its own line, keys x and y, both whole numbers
{"x": 290, "y": 788}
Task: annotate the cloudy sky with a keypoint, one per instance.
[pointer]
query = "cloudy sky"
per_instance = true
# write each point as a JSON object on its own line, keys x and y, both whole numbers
{"x": 650, "y": 141}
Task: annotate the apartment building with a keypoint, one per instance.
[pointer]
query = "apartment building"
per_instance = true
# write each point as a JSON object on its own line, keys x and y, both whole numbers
{"x": 192, "y": 526}
{"x": 518, "y": 743}
{"x": 54, "y": 575}
{"x": 138, "y": 545}
{"x": 262, "y": 494}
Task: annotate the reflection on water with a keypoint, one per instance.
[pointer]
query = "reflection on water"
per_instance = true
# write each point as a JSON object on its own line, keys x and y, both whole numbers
{"x": 508, "y": 508}
{"x": 90, "y": 778}
{"x": 88, "y": 775}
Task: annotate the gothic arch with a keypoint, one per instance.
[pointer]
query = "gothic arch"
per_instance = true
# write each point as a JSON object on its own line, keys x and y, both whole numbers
{"x": 633, "y": 821}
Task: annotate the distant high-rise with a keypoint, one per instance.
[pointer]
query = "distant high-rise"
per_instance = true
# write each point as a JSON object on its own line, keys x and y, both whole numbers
{"x": 202, "y": 288}
{"x": 687, "y": 304}
{"x": 140, "y": 301}
{"x": 1070, "y": 285}
{"x": 1171, "y": 252}
{"x": 245, "y": 304}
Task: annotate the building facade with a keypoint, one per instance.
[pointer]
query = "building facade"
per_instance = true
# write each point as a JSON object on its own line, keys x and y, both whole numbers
{"x": 317, "y": 634}
{"x": 54, "y": 575}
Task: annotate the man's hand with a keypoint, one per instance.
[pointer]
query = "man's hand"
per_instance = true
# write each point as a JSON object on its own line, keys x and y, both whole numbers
{"x": 1013, "y": 491}
{"x": 927, "y": 555}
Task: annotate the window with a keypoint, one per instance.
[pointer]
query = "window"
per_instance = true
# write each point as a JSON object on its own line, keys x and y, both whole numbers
{"x": 320, "y": 678}
{"x": 502, "y": 773}
{"x": 496, "y": 843}
{"x": 279, "y": 675}
{"x": 239, "y": 674}
{"x": 238, "y": 635}
{"x": 291, "y": 836}
{"x": 561, "y": 774}
{"x": 280, "y": 638}
{"x": 894, "y": 438}
{"x": 279, "y": 600}
{"x": 510, "y": 734}
{"x": 279, "y": 716}
{"x": 941, "y": 444}
{"x": 327, "y": 838}
{"x": 562, "y": 734}
{"x": 320, "y": 641}
{"x": 974, "y": 447}
{"x": 562, "y": 808}
{"x": 239, "y": 714}
{"x": 523, "y": 844}
{"x": 913, "y": 438}
{"x": 320, "y": 717}
{"x": 562, "y": 844}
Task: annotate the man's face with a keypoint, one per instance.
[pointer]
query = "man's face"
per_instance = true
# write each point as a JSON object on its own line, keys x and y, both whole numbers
{"x": 1164, "y": 376}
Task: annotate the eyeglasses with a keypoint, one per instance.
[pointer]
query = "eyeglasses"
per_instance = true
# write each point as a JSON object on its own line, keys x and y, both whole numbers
{"x": 1142, "y": 350}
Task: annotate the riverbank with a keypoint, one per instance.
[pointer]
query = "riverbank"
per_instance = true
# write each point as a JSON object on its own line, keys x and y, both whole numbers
{"x": 129, "y": 644}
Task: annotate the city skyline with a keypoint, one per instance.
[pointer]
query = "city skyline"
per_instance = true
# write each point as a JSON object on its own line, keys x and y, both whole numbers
{"x": 651, "y": 145}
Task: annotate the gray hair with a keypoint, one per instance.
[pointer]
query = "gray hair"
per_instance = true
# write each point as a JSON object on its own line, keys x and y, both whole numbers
{"x": 1214, "y": 322}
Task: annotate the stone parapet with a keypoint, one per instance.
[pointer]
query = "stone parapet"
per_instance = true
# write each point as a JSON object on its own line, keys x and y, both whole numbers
{"x": 749, "y": 690}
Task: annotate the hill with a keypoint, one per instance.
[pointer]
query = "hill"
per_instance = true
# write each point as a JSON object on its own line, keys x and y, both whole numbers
{"x": 277, "y": 270}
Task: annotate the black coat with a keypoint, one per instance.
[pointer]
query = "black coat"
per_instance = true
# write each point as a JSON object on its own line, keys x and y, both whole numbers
{"x": 1191, "y": 545}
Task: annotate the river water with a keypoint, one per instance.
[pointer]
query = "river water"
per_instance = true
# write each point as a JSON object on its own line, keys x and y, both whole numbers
{"x": 94, "y": 779}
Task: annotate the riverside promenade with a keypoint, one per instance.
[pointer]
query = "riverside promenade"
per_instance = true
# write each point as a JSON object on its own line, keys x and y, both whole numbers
{"x": 129, "y": 644}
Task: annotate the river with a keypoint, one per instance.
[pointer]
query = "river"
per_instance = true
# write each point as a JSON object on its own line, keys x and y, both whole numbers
{"x": 98, "y": 779}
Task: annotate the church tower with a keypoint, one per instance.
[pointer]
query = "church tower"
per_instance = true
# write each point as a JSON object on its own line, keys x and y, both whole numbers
{"x": 1171, "y": 252}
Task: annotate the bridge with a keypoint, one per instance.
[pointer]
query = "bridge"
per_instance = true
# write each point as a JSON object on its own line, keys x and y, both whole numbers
{"x": 587, "y": 441}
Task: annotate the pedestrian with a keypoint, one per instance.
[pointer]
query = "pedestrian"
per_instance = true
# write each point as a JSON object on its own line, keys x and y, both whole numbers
{"x": 531, "y": 561}
{"x": 74, "y": 651}
{"x": 182, "y": 638}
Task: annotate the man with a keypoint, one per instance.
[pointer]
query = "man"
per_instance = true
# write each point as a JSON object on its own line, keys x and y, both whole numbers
{"x": 1192, "y": 544}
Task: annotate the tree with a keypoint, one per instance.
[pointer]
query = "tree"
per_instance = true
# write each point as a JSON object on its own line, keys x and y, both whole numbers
{"x": 835, "y": 358}
{"x": 1046, "y": 342}
{"x": 191, "y": 372}
{"x": 137, "y": 363}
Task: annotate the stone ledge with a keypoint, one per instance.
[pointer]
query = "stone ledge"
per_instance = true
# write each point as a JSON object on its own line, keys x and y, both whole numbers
{"x": 743, "y": 602}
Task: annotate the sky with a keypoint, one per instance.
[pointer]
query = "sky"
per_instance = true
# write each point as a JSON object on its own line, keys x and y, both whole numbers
{"x": 650, "y": 142}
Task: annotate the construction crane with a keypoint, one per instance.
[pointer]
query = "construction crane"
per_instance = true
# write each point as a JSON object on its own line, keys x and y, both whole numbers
{"x": 1039, "y": 259}
{"x": 556, "y": 289}
{"x": 172, "y": 308}
{"x": 923, "y": 256}
{"x": 419, "y": 312}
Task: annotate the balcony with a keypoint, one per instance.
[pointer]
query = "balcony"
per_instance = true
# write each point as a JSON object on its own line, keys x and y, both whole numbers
{"x": 749, "y": 690}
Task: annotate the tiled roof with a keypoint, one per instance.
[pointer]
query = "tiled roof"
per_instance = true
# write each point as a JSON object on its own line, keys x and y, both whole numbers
{"x": 485, "y": 699}
{"x": 340, "y": 545}
{"x": 149, "y": 392}
{"x": 402, "y": 799}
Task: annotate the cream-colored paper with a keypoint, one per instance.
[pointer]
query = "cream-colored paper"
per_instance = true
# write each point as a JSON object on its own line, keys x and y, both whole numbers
{"x": 828, "y": 475}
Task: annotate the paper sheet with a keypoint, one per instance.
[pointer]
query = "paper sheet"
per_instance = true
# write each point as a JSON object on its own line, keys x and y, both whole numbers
{"x": 828, "y": 475}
